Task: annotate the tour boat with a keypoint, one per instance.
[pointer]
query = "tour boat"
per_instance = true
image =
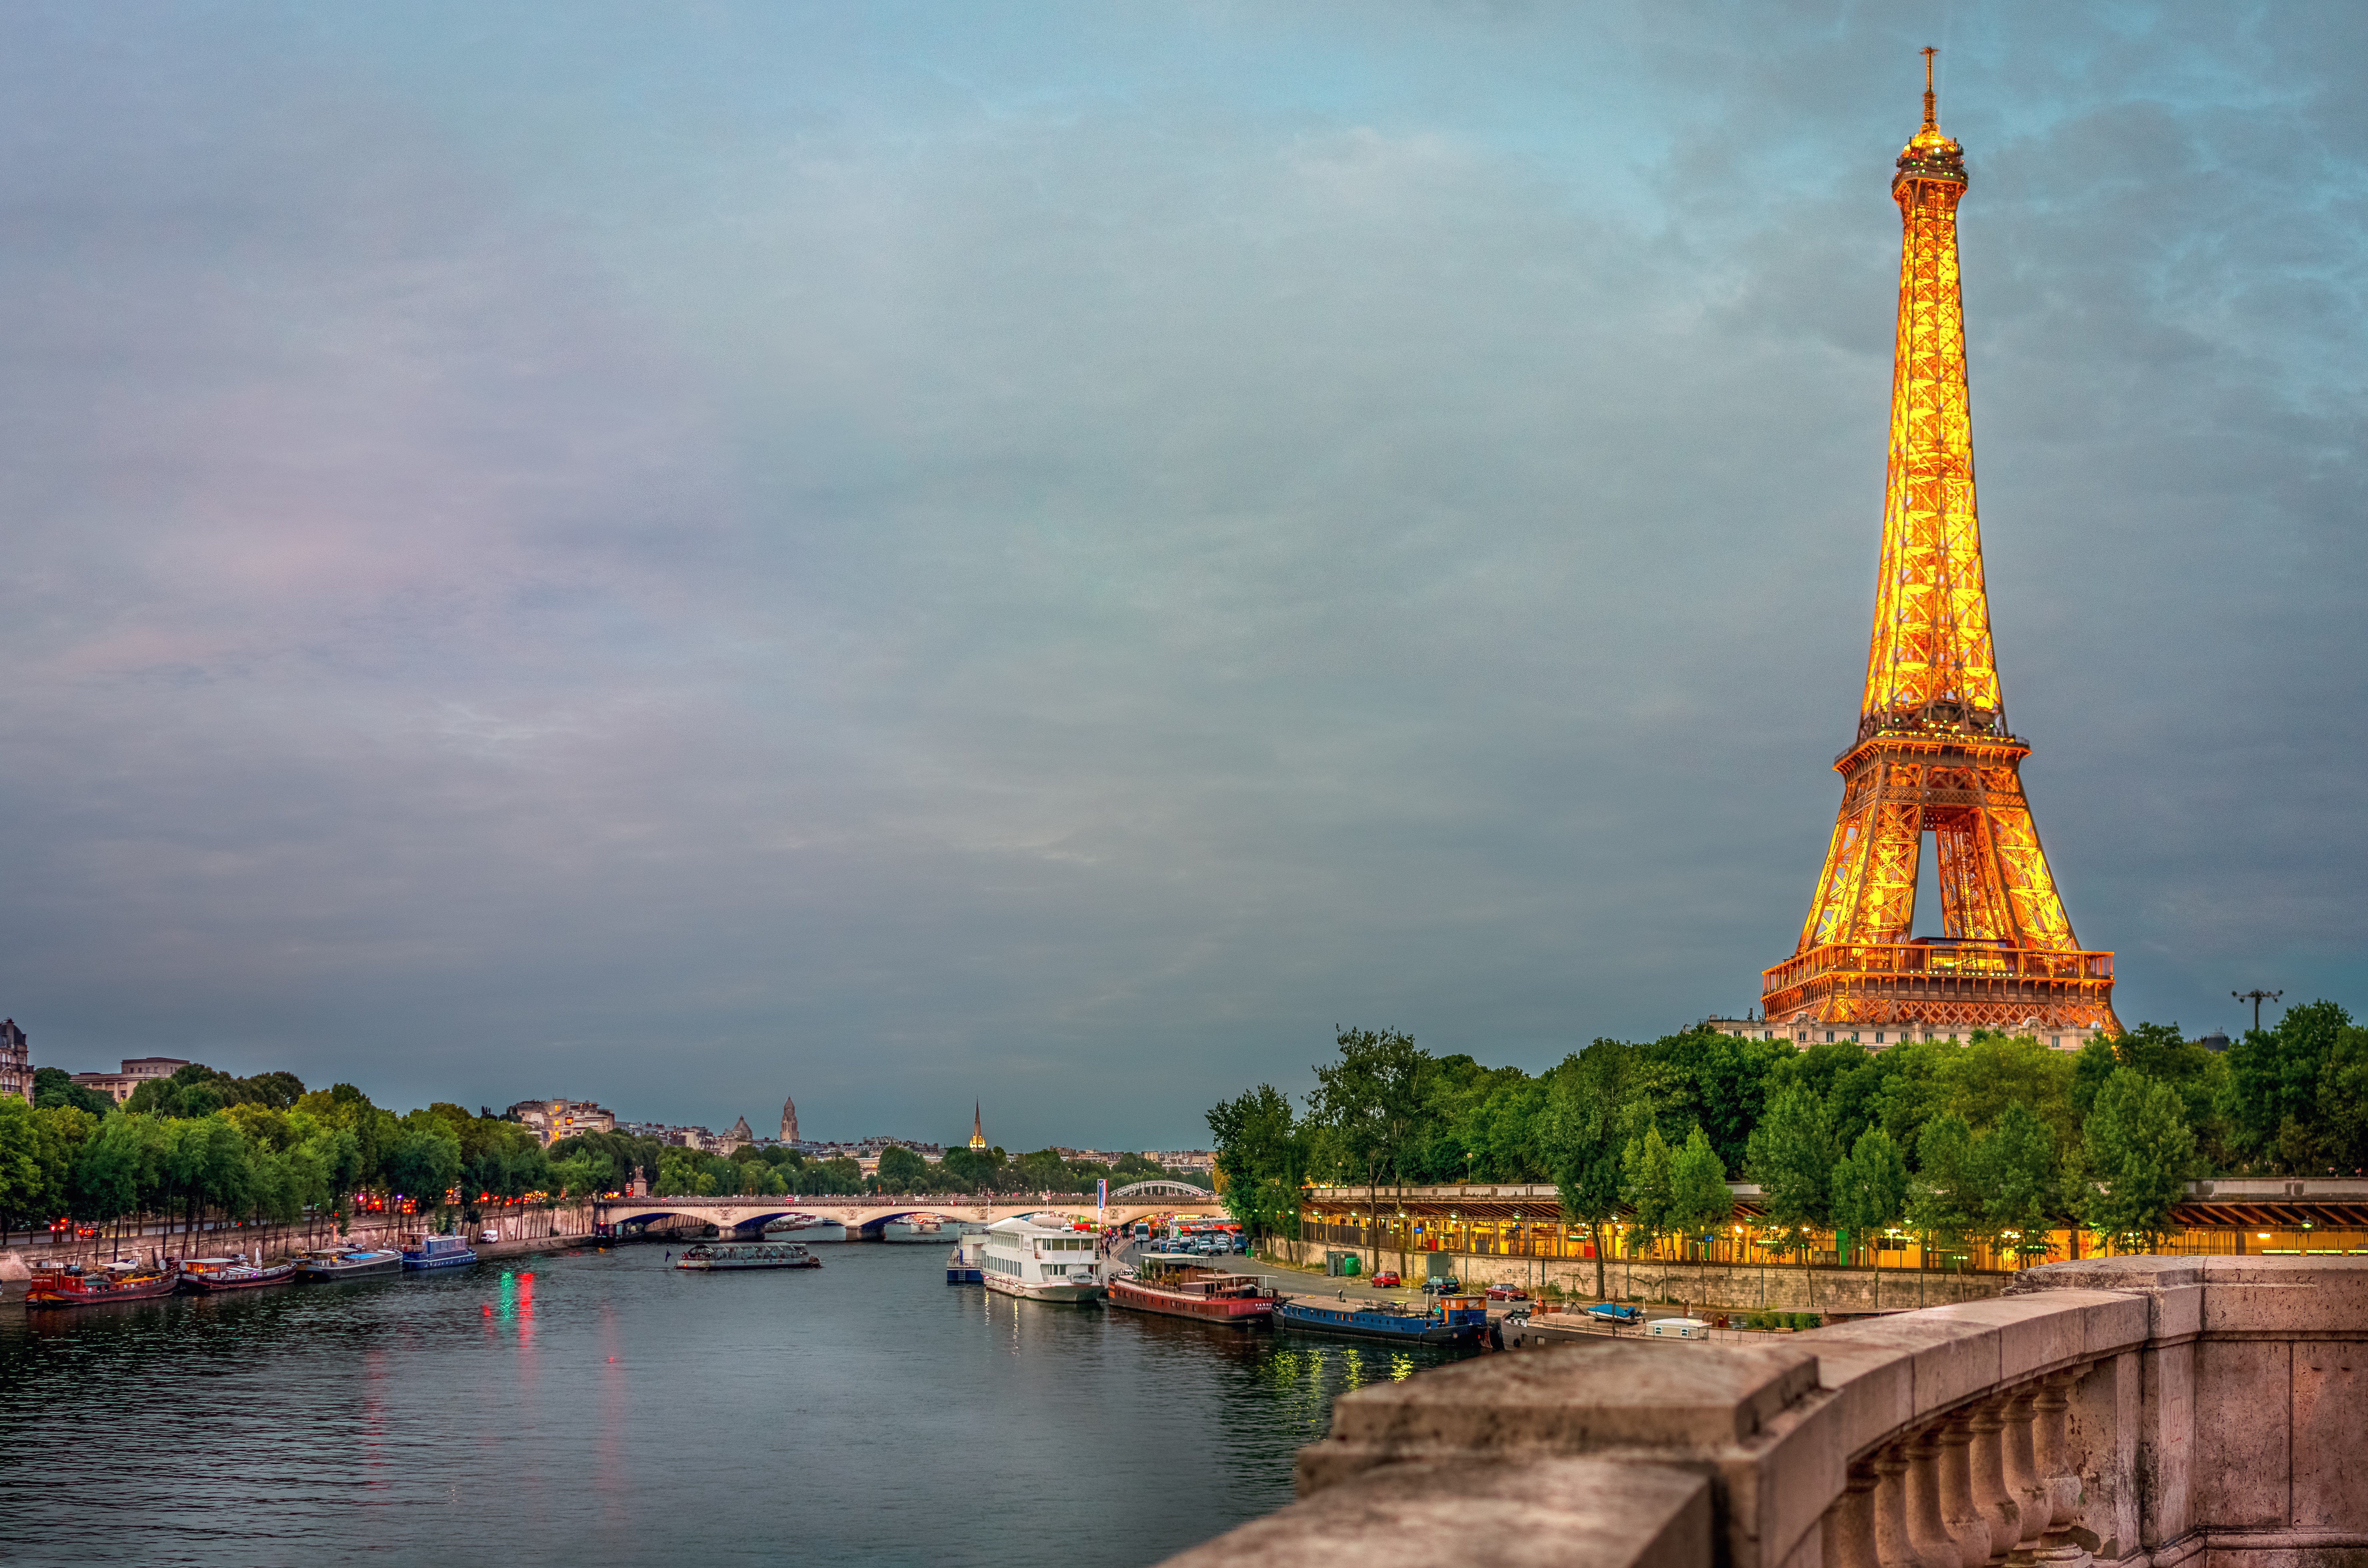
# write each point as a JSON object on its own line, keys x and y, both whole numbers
{"x": 204, "y": 1275}
{"x": 347, "y": 1263}
{"x": 1451, "y": 1320}
{"x": 1241, "y": 1299}
{"x": 436, "y": 1252}
{"x": 1042, "y": 1263}
{"x": 76, "y": 1286}
{"x": 754, "y": 1254}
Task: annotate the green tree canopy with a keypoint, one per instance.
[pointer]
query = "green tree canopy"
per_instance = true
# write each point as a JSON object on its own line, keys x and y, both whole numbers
{"x": 1261, "y": 1160}
{"x": 2139, "y": 1149}
{"x": 1792, "y": 1155}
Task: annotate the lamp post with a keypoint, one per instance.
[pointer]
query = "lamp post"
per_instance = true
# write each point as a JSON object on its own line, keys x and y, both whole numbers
{"x": 2257, "y": 997}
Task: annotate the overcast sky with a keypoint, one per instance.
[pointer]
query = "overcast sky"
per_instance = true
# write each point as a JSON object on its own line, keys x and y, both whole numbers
{"x": 682, "y": 555}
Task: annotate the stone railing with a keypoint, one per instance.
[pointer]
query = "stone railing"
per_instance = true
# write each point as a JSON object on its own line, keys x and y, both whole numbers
{"x": 2125, "y": 1410}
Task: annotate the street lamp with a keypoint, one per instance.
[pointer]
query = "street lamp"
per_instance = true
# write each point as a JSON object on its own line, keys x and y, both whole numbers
{"x": 2257, "y": 997}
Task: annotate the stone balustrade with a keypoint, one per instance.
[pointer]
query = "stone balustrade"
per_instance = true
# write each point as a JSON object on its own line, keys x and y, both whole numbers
{"x": 2125, "y": 1410}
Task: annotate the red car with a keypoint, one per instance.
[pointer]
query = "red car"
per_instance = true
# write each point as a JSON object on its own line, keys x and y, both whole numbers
{"x": 1389, "y": 1279}
{"x": 1508, "y": 1293}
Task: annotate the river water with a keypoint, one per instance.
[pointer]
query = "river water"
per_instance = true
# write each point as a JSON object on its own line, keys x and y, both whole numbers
{"x": 599, "y": 1407}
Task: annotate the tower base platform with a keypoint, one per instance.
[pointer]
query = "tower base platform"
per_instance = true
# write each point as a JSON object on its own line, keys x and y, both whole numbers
{"x": 1942, "y": 986}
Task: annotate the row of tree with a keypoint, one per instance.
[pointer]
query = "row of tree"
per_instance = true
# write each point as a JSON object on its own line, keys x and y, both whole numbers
{"x": 1998, "y": 1140}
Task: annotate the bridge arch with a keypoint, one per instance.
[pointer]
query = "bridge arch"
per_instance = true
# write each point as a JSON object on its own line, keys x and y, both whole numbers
{"x": 1160, "y": 1187}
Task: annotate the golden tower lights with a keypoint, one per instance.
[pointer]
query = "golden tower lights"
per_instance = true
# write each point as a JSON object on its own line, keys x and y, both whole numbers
{"x": 1933, "y": 753}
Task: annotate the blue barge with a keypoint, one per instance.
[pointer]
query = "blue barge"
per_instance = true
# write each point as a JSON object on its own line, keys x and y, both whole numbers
{"x": 437, "y": 1252}
{"x": 1455, "y": 1320}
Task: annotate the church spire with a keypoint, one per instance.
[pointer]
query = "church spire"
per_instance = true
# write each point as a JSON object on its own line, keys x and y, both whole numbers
{"x": 977, "y": 1128}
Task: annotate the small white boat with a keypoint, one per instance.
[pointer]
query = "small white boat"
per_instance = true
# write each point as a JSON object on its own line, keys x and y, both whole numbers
{"x": 1042, "y": 1263}
{"x": 916, "y": 1229}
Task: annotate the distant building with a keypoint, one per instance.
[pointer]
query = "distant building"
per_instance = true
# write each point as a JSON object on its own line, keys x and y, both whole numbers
{"x": 15, "y": 1062}
{"x": 554, "y": 1120}
{"x": 977, "y": 1128}
{"x": 137, "y": 1069}
{"x": 737, "y": 1139}
{"x": 1183, "y": 1159}
{"x": 789, "y": 1121}
{"x": 2216, "y": 1042}
{"x": 1882, "y": 1037}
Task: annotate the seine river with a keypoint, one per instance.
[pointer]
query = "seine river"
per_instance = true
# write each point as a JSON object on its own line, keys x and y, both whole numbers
{"x": 599, "y": 1407}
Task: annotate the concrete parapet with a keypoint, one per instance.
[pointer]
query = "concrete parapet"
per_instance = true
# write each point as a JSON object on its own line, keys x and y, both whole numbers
{"x": 2119, "y": 1411}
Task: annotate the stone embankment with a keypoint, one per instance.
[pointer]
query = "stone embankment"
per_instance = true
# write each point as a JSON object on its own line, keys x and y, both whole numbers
{"x": 2129, "y": 1413}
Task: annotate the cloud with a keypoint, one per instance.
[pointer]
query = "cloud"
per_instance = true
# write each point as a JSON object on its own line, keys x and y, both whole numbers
{"x": 759, "y": 552}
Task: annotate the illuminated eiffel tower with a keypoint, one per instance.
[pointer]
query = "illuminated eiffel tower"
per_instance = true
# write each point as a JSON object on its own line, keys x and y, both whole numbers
{"x": 1933, "y": 753}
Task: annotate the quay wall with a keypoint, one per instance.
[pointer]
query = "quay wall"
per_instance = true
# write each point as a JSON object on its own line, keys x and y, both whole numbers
{"x": 2115, "y": 1412}
{"x": 1713, "y": 1286}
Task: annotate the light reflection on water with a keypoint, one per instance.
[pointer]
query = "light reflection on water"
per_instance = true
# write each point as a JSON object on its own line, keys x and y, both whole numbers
{"x": 601, "y": 1408}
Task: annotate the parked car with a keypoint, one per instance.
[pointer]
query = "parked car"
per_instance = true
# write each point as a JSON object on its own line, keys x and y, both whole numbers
{"x": 1445, "y": 1285}
{"x": 1508, "y": 1293}
{"x": 1389, "y": 1279}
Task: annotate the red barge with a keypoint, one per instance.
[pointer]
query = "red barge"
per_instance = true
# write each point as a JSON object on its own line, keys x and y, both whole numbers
{"x": 1189, "y": 1293}
{"x": 74, "y": 1286}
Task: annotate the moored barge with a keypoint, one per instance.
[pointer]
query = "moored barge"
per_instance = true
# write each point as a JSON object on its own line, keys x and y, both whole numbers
{"x": 347, "y": 1263}
{"x": 1241, "y": 1300}
{"x": 206, "y": 1275}
{"x": 436, "y": 1252}
{"x": 1452, "y": 1320}
{"x": 75, "y": 1286}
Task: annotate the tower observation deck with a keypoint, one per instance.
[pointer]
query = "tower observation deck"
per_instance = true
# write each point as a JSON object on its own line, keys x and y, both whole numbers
{"x": 1933, "y": 754}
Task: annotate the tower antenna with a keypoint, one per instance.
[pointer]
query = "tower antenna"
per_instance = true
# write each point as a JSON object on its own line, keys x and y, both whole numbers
{"x": 1929, "y": 122}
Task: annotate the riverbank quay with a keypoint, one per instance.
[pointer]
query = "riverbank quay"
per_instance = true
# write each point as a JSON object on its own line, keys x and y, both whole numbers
{"x": 2117, "y": 1412}
{"x": 558, "y": 1228}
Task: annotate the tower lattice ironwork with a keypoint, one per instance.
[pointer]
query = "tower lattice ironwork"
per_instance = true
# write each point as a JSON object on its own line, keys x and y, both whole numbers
{"x": 1933, "y": 753}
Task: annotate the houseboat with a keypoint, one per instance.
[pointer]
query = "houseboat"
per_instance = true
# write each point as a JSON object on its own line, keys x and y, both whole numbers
{"x": 209, "y": 1276}
{"x": 753, "y": 1255}
{"x": 1043, "y": 1263}
{"x": 347, "y": 1263}
{"x": 437, "y": 1252}
{"x": 75, "y": 1285}
{"x": 1242, "y": 1300}
{"x": 1450, "y": 1320}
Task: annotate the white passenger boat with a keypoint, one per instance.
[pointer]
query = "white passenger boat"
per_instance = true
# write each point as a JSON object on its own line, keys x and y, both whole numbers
{"x": 1043, "y": 1263}
{"x": 916, "y": 1228}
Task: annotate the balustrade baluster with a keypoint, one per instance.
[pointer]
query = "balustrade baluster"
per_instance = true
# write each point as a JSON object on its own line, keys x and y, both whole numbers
{"x": 2064, "y": 1492}
{"x": 1895, "y": 1541}
{"x": 2022, "y": 1470}
{"x": 1932, "y": 1538}
{"x": 1849, "y": 1522}
{"x": 1986, "y": 1458}
{"x": 1961, "y": 1513}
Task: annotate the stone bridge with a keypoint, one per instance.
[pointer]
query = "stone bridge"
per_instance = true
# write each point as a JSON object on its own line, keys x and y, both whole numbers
{"x": 2120, "y": 1412}
{"x": 867, "y": 1215}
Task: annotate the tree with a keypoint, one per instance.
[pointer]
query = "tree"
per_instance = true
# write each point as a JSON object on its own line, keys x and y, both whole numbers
{"x": 209, "y": 1164}
{"x": 2013, "y": 1168}
{"x": 2272, "y": 1094}
{"x": 1699, "y": 1199}
{"x": 1368, "y": 1105}
{"x": 55, "y": 1087}
{"x": 1793, "y": 1154}
{"x": 21, "y": 1180}
{"x": 1581, "y": 1132}
{"x": 2139, "y": 1149}
{"x": 901, "y": 1170}
{"x": 1262, "y": 1161}
{"x": 1870, "y": 1191}
{"x": 424, "y": 1162}
{"x": 1942, "y": 1200}
{"x": 1646, "y": 1184}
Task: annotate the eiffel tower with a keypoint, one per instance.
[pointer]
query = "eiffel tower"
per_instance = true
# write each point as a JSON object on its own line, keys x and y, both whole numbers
{"x": 1933, "y": 753}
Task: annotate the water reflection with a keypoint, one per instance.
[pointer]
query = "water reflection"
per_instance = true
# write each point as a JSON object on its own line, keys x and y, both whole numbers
{"x": 602, "y": 1408}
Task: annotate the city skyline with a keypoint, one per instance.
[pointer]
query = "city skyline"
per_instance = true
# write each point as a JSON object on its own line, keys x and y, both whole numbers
{"x": 903, "y": 554}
